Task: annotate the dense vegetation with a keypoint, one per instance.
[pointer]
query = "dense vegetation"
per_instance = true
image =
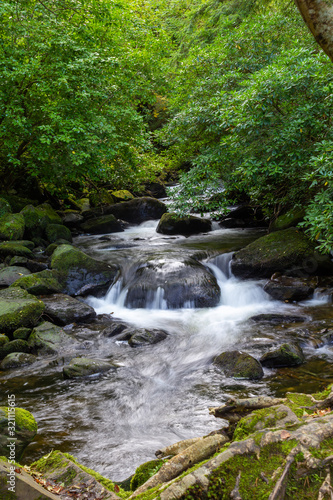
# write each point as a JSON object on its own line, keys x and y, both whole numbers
{"x": 248, "y": 92}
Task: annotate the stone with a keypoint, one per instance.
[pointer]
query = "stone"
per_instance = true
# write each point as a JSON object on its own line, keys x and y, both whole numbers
{"x": 78, "y": 272}
{"x": 63, "y": 309}
{"x": 290, "y": 289}
{"x": 284, "y": 355}
{"x": 18, "y": 308}
{"x": 50, "y": 214}
{"x": 32, "y": 265}
{"x": 22, "y": 333}
{"x": 277, "y": 319}
{"x": 103, "y": 197}
{"x": 172, "y": 223}
{"x": 289, "y": 219}
{"x": 55, "y": 232}
{"x": 10, "y": 274}
{"x": 244, "y": 216}
{"x": 17, "y": 346}
{"x": 156, "y": 189}
{"x": 16, "y": 360}
{"x": 144, "y": 337}
{"x": 25, "y": 429}
{"x": 121, "y": 195}
{"x": 36, "y": 221}
{"x": 101, "y": 225}
{"x": 11, "y": 248}
{"x": 17, "y": 203}
{"x": 42, "y": 283}
{"x": 137, "y": 210}
{"x": 72, "y": 219}
{"x": 47, "y": 338}
{"x": 5, "y": 207}
{"x": 12, "y": 227}
{"x": 83, "y": 367}
{"x": 239, "y": 365}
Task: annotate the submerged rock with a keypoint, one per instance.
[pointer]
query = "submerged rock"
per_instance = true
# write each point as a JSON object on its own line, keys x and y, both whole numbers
{"x": 277, "y": 319}
{"x": 83, "y": 367}
{"x": 290, "y": 289}
{"x": 171, "y": 223}
{"x": 284, "y": 355}
{"x": 16, "y": 360}
{"x": 18, "y": 308}
{"x": 239, "y": 365}
{"x": 63, "y": 309}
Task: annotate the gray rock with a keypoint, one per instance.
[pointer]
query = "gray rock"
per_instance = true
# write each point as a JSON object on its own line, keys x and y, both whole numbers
{"x": 63, "y": 309}
{"x": 144, "y": 336}
{"x": 101, "y": 225}
{"x": 17, "y": 359}
{"x": 239, "y": 365}
{"x": 137, "y": 210}
{"x": 47, "y": 338}
{"x": 284, "y": 355}
{"x": 290, "y": 289}
{"x": 11, "y": 273}
{"x": 83, "y": 367}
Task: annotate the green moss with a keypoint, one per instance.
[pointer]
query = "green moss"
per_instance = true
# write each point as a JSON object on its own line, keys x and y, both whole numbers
{"x": 56, "y": 232}
{"x": 50, "y": 462}
{"x": 5, "y": 207}
{"x": 25, "y": 420}
{"x": 18, "y": 308}
{"x": 10, "y": 248}
{"x": 289, "y": 219}
{"x": 12, "y": 227}
{"x": 41, "y": 283}
{"x": 323, "y": 394}
{"x": 122, "y": 195}
{"x": 17, "y": 345}
{"x": 257, "y": 420}
{"x": 144, "y": 472}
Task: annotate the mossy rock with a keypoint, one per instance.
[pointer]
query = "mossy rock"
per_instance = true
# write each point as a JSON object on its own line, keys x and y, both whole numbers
{"x": 50, "y": 214}
{"x": 47, "y": 338}
{"x": 17, "y": 203}
{"x": 3, "y": 339}
{"x": 12, "y": 227}
{"x": 284, "y": 355}
{"x": 13, "y": 248}
{"x": 5, "y": 207}
{"x": 289, "y": 219}
{"x": 138, "y": 210}
{"x": 101, "y": 225}
{"x": 18, "y": 308}
{"x": 16, "y": 360}
{"x": 239, "y": 365}
{"x": 101, "y": 198}
{"x": 283, "y": 251}
{"x": 35, "y": 222}
{"x": 10, "y": 274}
{"x": 172, "y": 223}
{"x": 122, "y": 195}
{"x": 17, "y": 345}
{"x": 78, "y": 273}
{"x": 83, "y": 367}
{"x": 81, "y": 204}
{"x": 54, "y": 232}
{"x": 25, "y": 430}
{"x": 42, "y": 283}
{"x": 144, "y": 472}
{"x": 22, "y": 333}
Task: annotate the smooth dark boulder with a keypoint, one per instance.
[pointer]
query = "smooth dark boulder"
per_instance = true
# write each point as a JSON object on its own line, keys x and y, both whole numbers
{"x": 244, "y": 216}
{"x": 156, "y": 189}
{"x": 33, "y": 266}
{"x": 277, "y": 319}
{"x": 114, "y": 329}
{"x": 290, "y": 289}
{"x": 284, "y": 355}
{"x": 55, "y": 232}
{"x": 63, "y": 309}
{"x": 145, "y": 336}
{"x": 137, "y": 210}
{"x": 72, "y": 219}
{"x": 101, "y": 225}
{"x": 10, "y": 274}
{"x": 83, "y": 367}
{"x": 237, "y": 364}
{"x": 172, "y": 223}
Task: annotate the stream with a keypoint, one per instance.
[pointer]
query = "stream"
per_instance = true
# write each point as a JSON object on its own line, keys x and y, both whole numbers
{"x": 161, "y": 393}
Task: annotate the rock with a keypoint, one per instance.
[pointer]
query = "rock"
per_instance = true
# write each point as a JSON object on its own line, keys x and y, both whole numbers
{"x": 81, "y": 204}
{"x": 51, "y": 216}
{"x": 156, "y": 189}
{"x": 36, "y": 221}
{"x": 10, "y": 248}
{"x": 276, "y": 319}
{"x": 47, "y": 338}
{"x": 10, "y": 274}
{"x": 11, "y": 227}
{"x": 42, "y": 283}
{"x": 101, "y": 225}
{"x": 289, "y": 219}
{"x": 32, "y": 265}
{"x": 172, "y": 284}
{"x": 80, "y": 274}
{"x": 22, "y": 333}
{"x": 122, "y": 195}
{"x": 83, "y": 367}
{"x": 239, "y": 365}
{"x": 5, "y": 207}
{"x": 63, "y": 309}
{"x": 137, "y": 210}
{"x": 290, "y": 289}
{"x": 284, "y": 355}
{"x": 72, "y": 219}
{"x": 244, "y": 216}
{"x": 114, "y": 329}
{"x": 284, "y": 251}
{"x": 144, "y": 336}
{"x": 17, "y": 345}
{"x": 55, "y": 232}
{"x": 16, "y": 360}
{"x": 25, "y": 429}
{"x": 103, "y": 197}
{"x": 17, "y": 203}
{"x": 3, "y": 339}
{"x": 174, "y": 224}
{"x": 18, "y": 308}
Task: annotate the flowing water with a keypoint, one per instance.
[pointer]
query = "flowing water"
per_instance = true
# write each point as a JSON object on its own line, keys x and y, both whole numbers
{"x": 161, "y": 393}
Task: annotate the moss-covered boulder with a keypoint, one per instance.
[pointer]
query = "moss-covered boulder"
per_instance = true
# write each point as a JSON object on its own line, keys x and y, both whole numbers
{"x": 3, "y": 339}
{"x": 18, "y": 308}
{"x": 239, "y": 365}
{"x": 289, "y": 219}
{"x": 83, "y": 367}
{"x": 137, "y": 210}
{"x": 283, "y": 251}
{"x": 144, "y": 472}
{"x": 17, "y": 345}
{"x": 63, "y": 309}
{"x": 12, "y": 227}
{"x": 37, "y": 219}
{"x": 174, "y": 224}
{"x": 22, "y": 333}
{"x": 12, "y": 273}
{"x": 284, "y": 355}
{"x": 103, "y": 197}
{"x": 42, "y": 283}
{"x": 50, "y": 214}
{"x": 34, "y": 266}
{"x": 14, "y": 248}
{"x": 25, "y": 430}
{"x": 47, "y": 338}
{"x": 5, "y": 207}
{"x": 17, "y": 203}
{"x": 101, "y": 225}
{"x": 121, "y": 195}
{"x": 16, "y": 360}
{"x": 80, "y": 274}
{"x": 54, "y": 232}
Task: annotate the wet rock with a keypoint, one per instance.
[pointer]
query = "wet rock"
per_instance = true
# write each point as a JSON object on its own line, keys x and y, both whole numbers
{"x": 284, "y": 355}
{"x": 42, "y": 283}
{"x": 101, "y": 225}
{"x": 156, "y": 189}
{"x": 11, "y": 248}
{"x": 55, "y": 232}
{"x": 239, "y": 365}
{"x": 80, "y": 274}
{"x": 47, "y": 338}
{"x": 171, "y": 223}
{"x": 25, "y": 430}
{"x": 144, "y": 336}
{"x": 32, "y": 265}
{"x": 122, "y": 195}
{"x": 290, "y": 289}
{"x": 10, "y": 274}
{"x": 244, "y": 216}
{"x": 16, "y": 360}
{"x": 83, "y": 367}
{"x": 12, "y": 227}
{"x": 277, "y": 319}
{"x": 115, "y": 329}
{"x": 17, "y": 345}
{"x": 63, "y": 309}
{"x": 289, "y": 219}
{"x": 284, "y": 251}
{"x": 72, "y": 219}
{"x": 172, "y": 284}
{"x": 137, "y": 210}
{"x": 18, "y": 308}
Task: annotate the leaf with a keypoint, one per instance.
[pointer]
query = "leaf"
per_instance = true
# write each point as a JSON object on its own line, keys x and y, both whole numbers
{"x": 285, "y": 435}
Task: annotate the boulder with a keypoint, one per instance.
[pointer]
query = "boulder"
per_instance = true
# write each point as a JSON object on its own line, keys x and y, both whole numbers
{"x": 42, "y": 283}
{"x": 16, "y": 360}
{"x": 244, "y": 216}
{"x": 80, "y": 274}
{"x": 284, "y": 251}
{"x": 277, "y": 319}
{"x": 63, "y": 309}
{"x": 239, "y": 365}
{"x": 51, "y": 216}
{"x": 174, "y": 224}
{"x": 83, "y": 367}
{"x": 18, "y": 308}
{"x": 17, "y": 345}
{"x": 290, "y": 289}
{"x": 115, "y": 328}
{"x": 72, "y": 219}
{"x": 35, "y": 220}
{"x": 12, "y": 227}
{"x": 121, "y": 195}
{"x": 55, "y": 232}
{"x": 5, "y": 207}
{"x": 14, "y": 248}
{"x": 284, "y": 355}
{"x": 22, "y": 333}
{"x": 47, "y": 338}
{"x": 102, "y": 198}
{"x": 137, "y": 210}
{"x": 25, "y": 429}
{"x": 156, "y": 189}
{"x": 144, "y": 337}
{"x": 32, "y": 265}
{"x": 289, "y": 219}
{"x": 101, "y": 225}
{"x": 10, "y": 274}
